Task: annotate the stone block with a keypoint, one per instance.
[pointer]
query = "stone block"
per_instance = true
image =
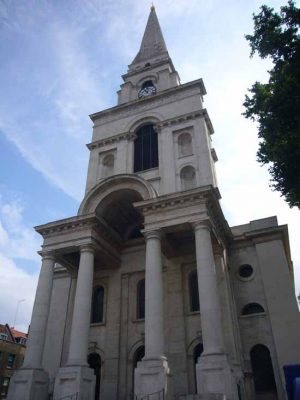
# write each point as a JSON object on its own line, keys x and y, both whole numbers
{"x": 29, "y": 384}
{"x": 75, "y": 381}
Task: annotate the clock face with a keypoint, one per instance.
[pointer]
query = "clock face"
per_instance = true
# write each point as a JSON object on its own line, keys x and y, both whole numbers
{"x": 147, "y": 91}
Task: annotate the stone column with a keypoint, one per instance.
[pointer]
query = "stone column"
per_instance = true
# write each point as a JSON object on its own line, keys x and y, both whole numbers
{"x": 154, "y": 322}
{"x": 76, "y": 377}
{"x": 151, "y": 373}
{"x": 213, "y": 371}
{"x": 207, "y": 283}
{"x": 31, "y": 381}
{"x": 82, "y": 308}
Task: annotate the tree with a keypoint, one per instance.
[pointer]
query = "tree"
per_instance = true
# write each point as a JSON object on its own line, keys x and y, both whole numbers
{"x": 276, "y": 105}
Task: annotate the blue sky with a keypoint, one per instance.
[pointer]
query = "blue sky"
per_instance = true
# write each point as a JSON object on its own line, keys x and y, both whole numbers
{"x": 63, "y": 60}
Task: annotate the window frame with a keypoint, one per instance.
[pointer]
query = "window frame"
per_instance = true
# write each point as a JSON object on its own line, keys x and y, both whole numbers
{"x": 145, "y": 149}
{"x": 10, "y": 364}
{"x": 102, "y": 322}
{"x": 191, "y": 289}
{"x": 140, "y": 284}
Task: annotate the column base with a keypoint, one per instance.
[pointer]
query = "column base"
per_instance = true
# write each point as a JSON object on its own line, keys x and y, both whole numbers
{"x": 29, "y": 384}
{"x": 151, "y": 376}
{"x": 77, "y": 382}
{"x": 214, "y": 376}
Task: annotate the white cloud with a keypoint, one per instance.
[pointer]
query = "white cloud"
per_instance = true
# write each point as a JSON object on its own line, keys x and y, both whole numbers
{"x": 16, "y": 239}
{"x": 16, "y": 284}
{"x": 18, "y": 247}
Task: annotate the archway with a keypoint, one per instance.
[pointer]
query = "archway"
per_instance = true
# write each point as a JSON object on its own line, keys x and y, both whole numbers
{"x": 198, "y": 350}
{"x": 94, "y": 361}
{"x": 263, "y": 374}
{"x": 138, "y": 356}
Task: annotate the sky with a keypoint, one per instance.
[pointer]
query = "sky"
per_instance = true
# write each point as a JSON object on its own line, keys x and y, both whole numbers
{"x": 61, "y": 61}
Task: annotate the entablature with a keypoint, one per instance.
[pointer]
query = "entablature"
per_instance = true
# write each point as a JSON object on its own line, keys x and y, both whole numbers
{"x": 64, "y": 238}
{"x": 185, "y": 208}
{"x": 158, "y": 126}
{"x": 140, "y": 105}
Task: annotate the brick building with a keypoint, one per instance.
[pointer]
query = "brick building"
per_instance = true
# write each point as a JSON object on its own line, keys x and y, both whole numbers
{"x": 12, "y": 350}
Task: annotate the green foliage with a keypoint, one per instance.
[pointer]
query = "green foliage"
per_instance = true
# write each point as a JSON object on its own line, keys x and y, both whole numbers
{"x": 276, "y": 104}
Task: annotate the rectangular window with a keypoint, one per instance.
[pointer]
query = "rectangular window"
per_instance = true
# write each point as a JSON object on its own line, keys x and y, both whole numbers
{"x": 10, "y": 360}
{"x": 4, "y": 387}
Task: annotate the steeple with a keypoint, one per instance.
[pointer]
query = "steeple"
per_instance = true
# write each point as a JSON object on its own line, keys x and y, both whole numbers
{"x": 152, "y": 70}
{"x": 153, "y": 47}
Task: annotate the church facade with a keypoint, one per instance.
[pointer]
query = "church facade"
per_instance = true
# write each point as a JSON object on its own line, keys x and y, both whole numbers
{"x": 148, "y": 293}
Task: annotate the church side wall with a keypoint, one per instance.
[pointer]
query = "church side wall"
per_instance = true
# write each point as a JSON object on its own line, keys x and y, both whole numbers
{"x": 269, "y": 286}
{"x": 280, "y": 298}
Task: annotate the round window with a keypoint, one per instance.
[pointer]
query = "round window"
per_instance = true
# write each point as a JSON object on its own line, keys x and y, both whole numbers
{"x": 245, "y": 271}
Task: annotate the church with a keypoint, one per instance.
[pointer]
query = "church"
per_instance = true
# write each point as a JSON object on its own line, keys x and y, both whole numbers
{"x": 147, "y": 293}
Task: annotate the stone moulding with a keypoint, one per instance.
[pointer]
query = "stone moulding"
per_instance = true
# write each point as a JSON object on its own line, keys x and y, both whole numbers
{"x": 148, "y": 103}
{"x": 159, "y": 126}
{"x": 207, "y": 195}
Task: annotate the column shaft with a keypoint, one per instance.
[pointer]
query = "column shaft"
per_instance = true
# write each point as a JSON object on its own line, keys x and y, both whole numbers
{"x": 38, "y": 325}
{"x": 208, "y": 293}
{"x": 154, "y": 324}
{"x": 82, "y": 308}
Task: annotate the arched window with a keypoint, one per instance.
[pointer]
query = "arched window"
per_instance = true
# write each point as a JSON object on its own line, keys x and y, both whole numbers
{"x": 187, "y": 177}
{"x": 141, "y": 299}
{"x": 98, "y": 305}
{"x": 262, "y": 369}
{"x": 252, "y": 308}
{"x": 145, "y": 149}
{"x": 194, "y": 292}
{"x": 185, "y": 144}
{"x": 147, "y": 84}
{"x": 94, "y": 361}
{"x": 108, "y": 164}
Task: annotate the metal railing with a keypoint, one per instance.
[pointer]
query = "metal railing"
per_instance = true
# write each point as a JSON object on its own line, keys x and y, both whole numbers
{"x": 160, "y": 395}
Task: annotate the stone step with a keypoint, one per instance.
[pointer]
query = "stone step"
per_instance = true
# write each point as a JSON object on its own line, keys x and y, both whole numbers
{"x": 211, "y": 396}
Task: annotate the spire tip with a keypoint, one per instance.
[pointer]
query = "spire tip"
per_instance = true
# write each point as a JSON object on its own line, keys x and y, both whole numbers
{"x": 152, "y": 8}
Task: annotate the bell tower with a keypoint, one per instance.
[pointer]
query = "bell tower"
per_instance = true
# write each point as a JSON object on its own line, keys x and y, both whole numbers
{"x": 159, "y": 129}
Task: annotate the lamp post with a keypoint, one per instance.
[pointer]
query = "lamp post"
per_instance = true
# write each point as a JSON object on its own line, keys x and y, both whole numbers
{"x": 17, "y": 309}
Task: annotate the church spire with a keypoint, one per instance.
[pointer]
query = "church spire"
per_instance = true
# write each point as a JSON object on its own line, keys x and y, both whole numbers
{"x": 153, "y": 47}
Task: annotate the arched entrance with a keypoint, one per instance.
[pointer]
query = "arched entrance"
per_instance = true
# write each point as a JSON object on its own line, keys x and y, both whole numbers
{"x": 263, "y": 374}
{"x": 138, "y": 356}
{"x": 94, "y": 361}
{"x": 198, "y": 350}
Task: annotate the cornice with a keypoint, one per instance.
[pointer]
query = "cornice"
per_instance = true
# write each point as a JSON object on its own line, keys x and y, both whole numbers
{"x": 265, "y": 235}
{"x": 111, "y": 140}
{"x": 172, "y": 200}
{"x": 139, "y": 105}
{"x": 77, "y": 223}
{"x": 67, "y": 224}
{"x": 159, "y": 126}
{"x": 187, "y": 117}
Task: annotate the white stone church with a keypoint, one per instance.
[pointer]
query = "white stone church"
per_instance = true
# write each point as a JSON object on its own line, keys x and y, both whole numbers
{"x": 148, "y": 293}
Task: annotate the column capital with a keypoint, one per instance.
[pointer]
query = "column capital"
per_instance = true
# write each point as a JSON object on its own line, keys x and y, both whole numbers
{"x": 153, "y": 234}
{"x": 201, "y": 224}
{"x": 47, "y": 255}
{"x": 88, "y": 247}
